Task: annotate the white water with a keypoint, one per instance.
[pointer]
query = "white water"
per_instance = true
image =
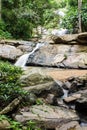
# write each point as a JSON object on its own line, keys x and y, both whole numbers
{"x": 23, "y": 59}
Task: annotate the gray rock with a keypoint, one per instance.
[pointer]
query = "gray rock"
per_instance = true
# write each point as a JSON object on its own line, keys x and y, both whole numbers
{"x": 9, "y": 52}
{"x": 73, "y": 125}
{"x": 47, "y": 116}
{"x": 45, "y": 88}
{"x": 38, "y": 82}
{"x": 72, "y": 98}
{"x": 64, "y": 56}
{"x": 81, "y": 105}
{"x": 64, "y": 39}
{"x": 35, "y": 78}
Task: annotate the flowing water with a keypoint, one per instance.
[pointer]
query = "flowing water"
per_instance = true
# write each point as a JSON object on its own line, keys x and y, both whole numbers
{"x": 23, "y": 59}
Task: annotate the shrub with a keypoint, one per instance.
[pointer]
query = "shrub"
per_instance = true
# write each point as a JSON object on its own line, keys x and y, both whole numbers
{"x": 70, "y": 21}
{"x": 3, "y": 32}
{"x": 10, "y": 87}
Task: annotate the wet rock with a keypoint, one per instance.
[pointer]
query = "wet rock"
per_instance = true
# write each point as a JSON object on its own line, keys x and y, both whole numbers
{"x": 81, "y": 105}
{"x": 74, "y": 125}
{"x": 47, "y": 116}
{"x": 45, "y": 88}
{"x": 64, "y": 56}
{"x": 9, "y": 52}
{"x": 72, "y": 98}
{"x": 67, "y": 85}
{"x": 50, "y": 99}
{"x": 25, "y": 48}
{"x": 75, "y": 84}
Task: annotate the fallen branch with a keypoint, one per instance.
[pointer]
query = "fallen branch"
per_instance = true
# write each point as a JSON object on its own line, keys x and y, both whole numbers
{"x": 11, "y": 106}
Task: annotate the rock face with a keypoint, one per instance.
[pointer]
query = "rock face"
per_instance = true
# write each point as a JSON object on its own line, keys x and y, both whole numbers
{"x": 41, "y": 84}
{"x": 82, "y": 38}
{"x": 64, "y": 56}
{"x": 47, "y": 116}
{"x": 46, "y": 88}
{"x": 81, "y": 105}
{"x": 12, "y": 49}
{"x": 34, "y": 77}
{"x": 73, "y": 125}
{"x": 68, "y": 38}
{"x": 9, "y": 52}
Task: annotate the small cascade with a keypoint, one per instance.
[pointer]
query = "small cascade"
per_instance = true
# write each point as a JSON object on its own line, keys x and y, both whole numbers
{"x": 65, "y": 93}
{"x": 23, "y": 59}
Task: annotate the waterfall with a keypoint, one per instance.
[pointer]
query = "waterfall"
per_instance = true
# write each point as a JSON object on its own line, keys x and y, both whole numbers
{"x": 23, "y": 59}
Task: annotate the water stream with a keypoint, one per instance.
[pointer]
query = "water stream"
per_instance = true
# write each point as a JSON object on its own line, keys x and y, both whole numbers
{"x": 23, "y": 59}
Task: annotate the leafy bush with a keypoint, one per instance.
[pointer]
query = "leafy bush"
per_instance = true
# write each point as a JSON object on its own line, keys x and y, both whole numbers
{"x": 10, "y": 87}
{"x": 3, "y": 32}
{"x": 70, "y": 21}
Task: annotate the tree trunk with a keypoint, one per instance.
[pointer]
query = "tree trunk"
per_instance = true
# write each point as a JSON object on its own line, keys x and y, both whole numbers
{"x": 79, "y": 15}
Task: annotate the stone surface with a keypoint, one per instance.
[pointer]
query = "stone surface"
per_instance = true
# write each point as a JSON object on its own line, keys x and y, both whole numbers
{"x": 82, "y": 38}
{"x": 64, "y": 56}
{"x": 64, "y": 39}
{"x": 70, "y": 126}
{"x": 81, "y": 105}
{"x": 9, "y": 52}
{"x": 34, "y": 77}
{"x": 47, "y": 116}
{"x": 25, "y": 48}
{"x": 77, "y": 60}
{"x": 15, "y": 43}
{"x": 38, "y": 82}
{"x": 46, "y": 88}
{"x": 72, "y": 98}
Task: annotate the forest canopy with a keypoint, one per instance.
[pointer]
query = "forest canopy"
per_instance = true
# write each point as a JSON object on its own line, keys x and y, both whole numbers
{"x": 20, "y": 17}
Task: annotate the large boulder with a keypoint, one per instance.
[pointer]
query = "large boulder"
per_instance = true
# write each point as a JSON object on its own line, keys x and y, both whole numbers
{"x": 73, "y": 125}
{"x": 64, "y": 56}
{"x": 15, "y": 43}
{"x": 46, "y": 116}
{"x": 34, "y": 76}
{"x": 77, "y": 60}
{"x": 37, "y": 82}
{"x": 9, "y": 52}
{"x": 82, "y": 38}
{"x": 68, "y": 38}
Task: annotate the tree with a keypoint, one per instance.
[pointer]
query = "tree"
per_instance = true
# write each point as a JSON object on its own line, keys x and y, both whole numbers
{"x": 79, "y": 16}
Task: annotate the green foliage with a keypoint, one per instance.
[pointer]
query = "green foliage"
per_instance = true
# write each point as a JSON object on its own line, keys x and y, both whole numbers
{"x": 10, "y": 87}
{"x": 70, "y": 21}
{"x": 84, "y": 17}
{"x": 14, "y": 125}
{"x": 39, "y": 101}
{"x": 31, "y": 125}
{"x": 50, "y": 19}
{"x": 3, "y": 32}
{"x": 21, "y": 17}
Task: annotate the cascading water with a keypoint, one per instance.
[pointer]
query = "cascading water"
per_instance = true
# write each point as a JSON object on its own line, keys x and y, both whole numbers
{"x": 23, "y": 59}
